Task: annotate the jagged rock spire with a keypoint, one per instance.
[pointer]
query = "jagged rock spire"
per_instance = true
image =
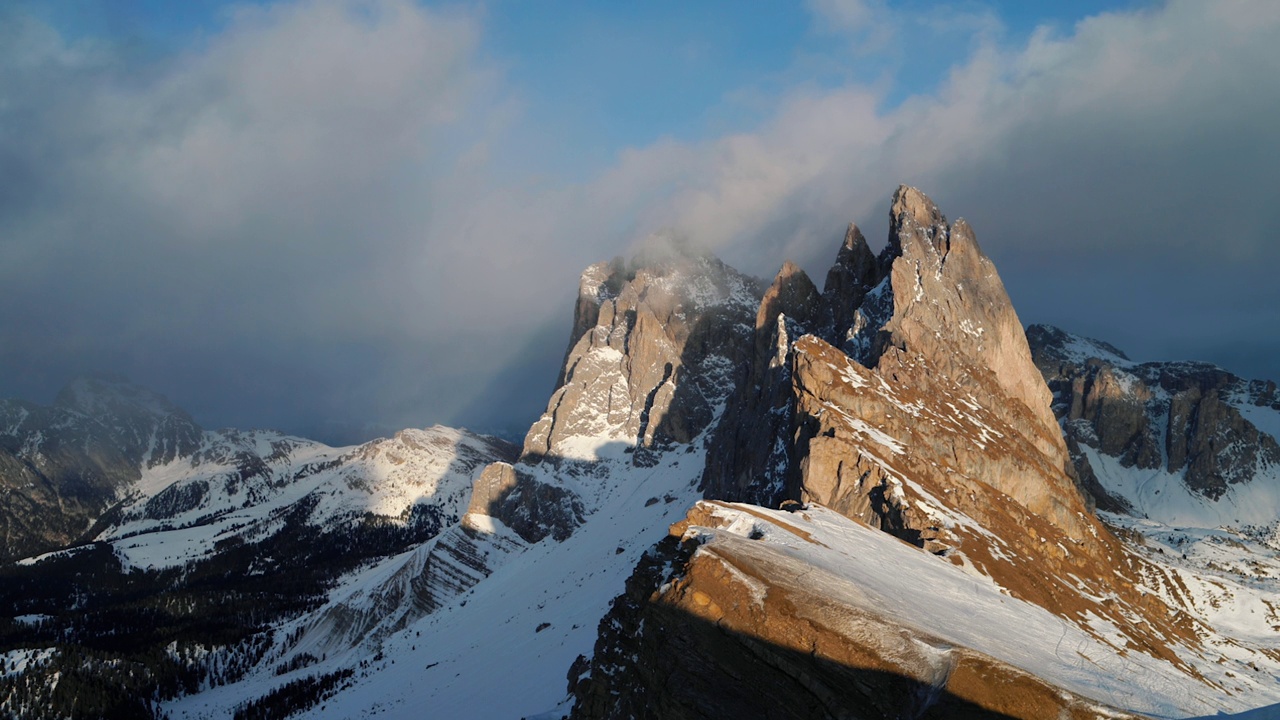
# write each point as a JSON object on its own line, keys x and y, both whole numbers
{"x": 854, "y": 273}
{"x": 930, "y": 313}
{"x": 949, "y": 304}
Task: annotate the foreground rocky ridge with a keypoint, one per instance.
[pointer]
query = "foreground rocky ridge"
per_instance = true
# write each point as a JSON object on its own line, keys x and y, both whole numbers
{"x": 787, "y": 615}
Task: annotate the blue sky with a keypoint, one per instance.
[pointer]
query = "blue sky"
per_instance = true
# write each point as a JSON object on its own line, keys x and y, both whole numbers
{"x": 340, "y": 217}
{"x": 596, "y": 77}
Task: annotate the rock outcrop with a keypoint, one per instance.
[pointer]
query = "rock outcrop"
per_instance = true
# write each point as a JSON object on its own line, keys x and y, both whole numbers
{"x": 1185, "y": 419}
{"x": 533, "y": 510}
{"x": 929, "y": 318}
{"x": 750, "y": 630}
{"x": 651, "y": 355}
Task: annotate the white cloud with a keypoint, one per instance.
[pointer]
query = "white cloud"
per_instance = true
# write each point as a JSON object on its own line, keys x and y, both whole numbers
{"x": 1117, "y": 104}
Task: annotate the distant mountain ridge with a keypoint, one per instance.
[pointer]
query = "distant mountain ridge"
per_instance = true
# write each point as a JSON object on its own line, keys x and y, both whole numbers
{"x": 64, "y": 465}
{"x": 1178, "y": 442}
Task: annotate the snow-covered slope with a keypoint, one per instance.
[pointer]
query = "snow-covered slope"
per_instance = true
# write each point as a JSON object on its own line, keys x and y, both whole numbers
{"x": 503, "y": 648}
{"x": 486, "y": 618}
{"x": 212, "y": 558}
{"x": 239, "y": 485}
{"x": 933, "y": 557}
{"x": 883, "y": 613}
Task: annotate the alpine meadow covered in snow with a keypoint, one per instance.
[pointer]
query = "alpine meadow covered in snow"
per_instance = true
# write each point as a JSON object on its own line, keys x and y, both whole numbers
{"x": 806, "y": 452}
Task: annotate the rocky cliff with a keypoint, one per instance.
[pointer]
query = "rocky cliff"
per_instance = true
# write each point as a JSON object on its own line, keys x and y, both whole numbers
{"x": 1177, "y": 441}
{"x": 902, "y": 396}
{"x": 928, "y": 317}
{"x": 651, "y": 355}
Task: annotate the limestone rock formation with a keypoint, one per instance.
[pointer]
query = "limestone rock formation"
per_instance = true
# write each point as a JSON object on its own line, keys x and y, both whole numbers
{"x": 651, "y": 355}
{"x": 903, "y": 396}
{"x": 1180, "y": 418}
{"x": 930, "y": 314}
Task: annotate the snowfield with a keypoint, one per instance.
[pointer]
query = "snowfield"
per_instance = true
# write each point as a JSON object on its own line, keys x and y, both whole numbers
{"x": 502, "y": 650}
{"x": 849, "y": 562}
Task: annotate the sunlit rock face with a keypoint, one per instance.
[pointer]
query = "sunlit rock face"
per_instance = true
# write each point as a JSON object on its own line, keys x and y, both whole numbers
{"x": 924, "y": 328}
{"x": 739, "y": 605}
{"x": 903, "y": 397}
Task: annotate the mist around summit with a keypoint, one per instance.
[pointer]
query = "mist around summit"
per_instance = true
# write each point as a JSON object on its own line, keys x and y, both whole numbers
{"x": 340, "y": 219}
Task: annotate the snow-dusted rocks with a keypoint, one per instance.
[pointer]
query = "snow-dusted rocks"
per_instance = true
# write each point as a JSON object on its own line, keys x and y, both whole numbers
{"x": 515, "y": 588}
{"x": 910, "y": 406}
{"x": 248, "y": 552}
{"x": 804, "y": 614}
{"x": 651, "y": 357}
{"x": 63, "y": 466}
{"x": 1178, "y": 442}
{"x": 241, "y": 486}
{"x": 932, "y": 557}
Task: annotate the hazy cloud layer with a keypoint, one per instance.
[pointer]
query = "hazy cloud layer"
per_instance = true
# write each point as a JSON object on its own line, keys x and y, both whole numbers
{"x": 318, "y": 220}
{"x": 1121, "y": 176}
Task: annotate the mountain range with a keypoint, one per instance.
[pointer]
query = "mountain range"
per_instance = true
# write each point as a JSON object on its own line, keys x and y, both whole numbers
{"x": 881, "y": 498}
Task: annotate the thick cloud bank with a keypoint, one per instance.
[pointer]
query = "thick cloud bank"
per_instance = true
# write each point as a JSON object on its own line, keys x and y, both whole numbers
{"x": 316, "y": 218}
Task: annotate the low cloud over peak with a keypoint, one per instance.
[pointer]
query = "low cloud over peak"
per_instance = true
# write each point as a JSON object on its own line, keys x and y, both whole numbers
{"x": 328, "y": 216}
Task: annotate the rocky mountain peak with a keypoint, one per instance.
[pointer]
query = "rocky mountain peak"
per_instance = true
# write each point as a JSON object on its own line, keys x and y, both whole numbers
{"x": 853, "y": 274}
{"x": 1179, "y": 442}
{"x": 139, "y": 421}
{"x": 911, "y": 208}
{"x": 652, "y": 352}
{"x": 904, "y": 398}
{"x": 1050, "y": 344}
{"x": 949, "y": 304}
{"x": 793, "y": 294}
{"x": 931, "y": 314}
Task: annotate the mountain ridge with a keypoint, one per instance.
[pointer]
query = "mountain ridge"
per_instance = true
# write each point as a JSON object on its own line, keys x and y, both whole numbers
{"x": 844, "y": 496}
